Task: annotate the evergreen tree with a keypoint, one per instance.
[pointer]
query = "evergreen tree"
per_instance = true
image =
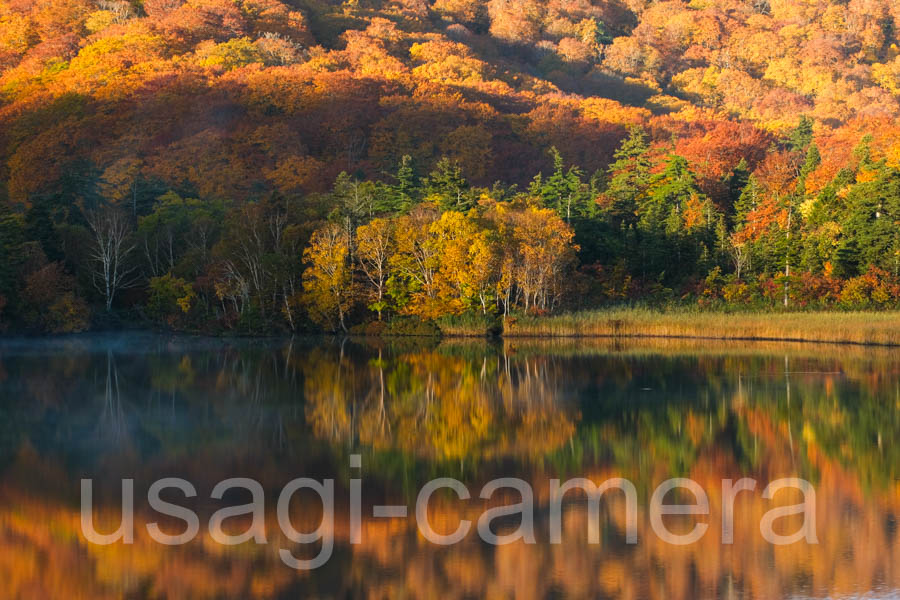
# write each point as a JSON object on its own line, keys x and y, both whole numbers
{"x": 737, "y": 181}
{"x": 405, "y": 190}
{"x": 863, "y": 152}
{"x": 870, "y": 225}
{"x": 811, "y": 162}
{"x": 629, "y": 178}
{"x": 574, "y": 201}
{"x": 564, "y": 190}
{"x": 354, "y": 204}
{"x": 448, "y": 188}
{"x": 668, "y": 191}
{"x": 746, "y": 202}
{"x": 802, "y": 135}
{"x": 668, "y": 248}
{"x": 41, "y": 222}
{"x": 846, "y": 259}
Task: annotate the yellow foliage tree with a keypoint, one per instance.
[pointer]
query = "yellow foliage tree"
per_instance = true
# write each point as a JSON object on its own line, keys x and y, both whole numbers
{"x": 416, "y": 262}
{"x": 538, "y": 250}
{"x": 327, "y": 281}
{"x": 374, "y": 245}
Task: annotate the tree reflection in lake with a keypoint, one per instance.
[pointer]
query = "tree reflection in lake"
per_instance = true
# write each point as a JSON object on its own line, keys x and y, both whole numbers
{"x": 111, "y": 407}
{"x": 447, "y": 403}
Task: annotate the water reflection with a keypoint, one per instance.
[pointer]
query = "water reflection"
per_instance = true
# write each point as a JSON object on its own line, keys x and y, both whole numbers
{"x": 144, "y": 407}
{"x": 448, "y": 403}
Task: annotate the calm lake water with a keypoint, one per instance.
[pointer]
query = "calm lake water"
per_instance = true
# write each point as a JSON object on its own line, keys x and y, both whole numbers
{"x": 145, "y": 407}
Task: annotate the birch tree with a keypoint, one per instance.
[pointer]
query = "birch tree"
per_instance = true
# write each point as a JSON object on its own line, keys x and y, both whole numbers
{"x": 110, "y": 270}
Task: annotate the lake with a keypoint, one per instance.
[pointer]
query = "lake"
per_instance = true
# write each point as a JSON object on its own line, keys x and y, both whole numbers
{"x": 146, "y": 407}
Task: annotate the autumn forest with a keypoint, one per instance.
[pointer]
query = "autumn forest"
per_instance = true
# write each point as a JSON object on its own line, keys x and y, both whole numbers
{"x": 404, "y": 166}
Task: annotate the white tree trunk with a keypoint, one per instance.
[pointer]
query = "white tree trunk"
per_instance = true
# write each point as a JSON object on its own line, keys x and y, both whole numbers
{"x": 111, "y": 249}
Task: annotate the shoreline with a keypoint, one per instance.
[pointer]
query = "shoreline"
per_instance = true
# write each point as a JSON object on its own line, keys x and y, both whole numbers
{"x": 858, "y": 328}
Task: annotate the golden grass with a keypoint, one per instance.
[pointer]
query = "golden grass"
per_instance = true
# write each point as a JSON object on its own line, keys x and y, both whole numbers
{"x": 877, "y": 328}
{"x": 467, "y": 326}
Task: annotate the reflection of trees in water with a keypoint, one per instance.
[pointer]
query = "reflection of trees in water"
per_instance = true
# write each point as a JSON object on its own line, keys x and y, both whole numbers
{"x": 833, "y": 408}
{"x": 437, "y": 405}
{"x": 157, "y": 395}
{"x": 246, "y": 394}
{"x": 581, "y": 403}
{"x": 599, "y": 412}
{"x": 673, "y": 400}
{"x": 112, "y": 418}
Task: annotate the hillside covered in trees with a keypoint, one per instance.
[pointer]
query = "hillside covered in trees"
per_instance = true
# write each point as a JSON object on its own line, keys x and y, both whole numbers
{"x": 259, "y": 165}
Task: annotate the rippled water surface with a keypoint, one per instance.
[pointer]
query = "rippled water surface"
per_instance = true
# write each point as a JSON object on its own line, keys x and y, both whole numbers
{"x": 145, "y": 407}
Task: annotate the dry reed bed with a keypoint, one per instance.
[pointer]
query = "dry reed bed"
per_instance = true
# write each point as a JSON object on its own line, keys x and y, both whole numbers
{"x": 877, "y": 328}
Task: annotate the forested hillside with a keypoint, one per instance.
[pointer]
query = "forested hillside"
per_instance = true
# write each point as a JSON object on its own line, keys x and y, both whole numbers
{"x": 260, "y": 165}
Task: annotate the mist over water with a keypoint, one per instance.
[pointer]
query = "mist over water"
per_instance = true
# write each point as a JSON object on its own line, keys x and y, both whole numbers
{"x": 145, "y": 407}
